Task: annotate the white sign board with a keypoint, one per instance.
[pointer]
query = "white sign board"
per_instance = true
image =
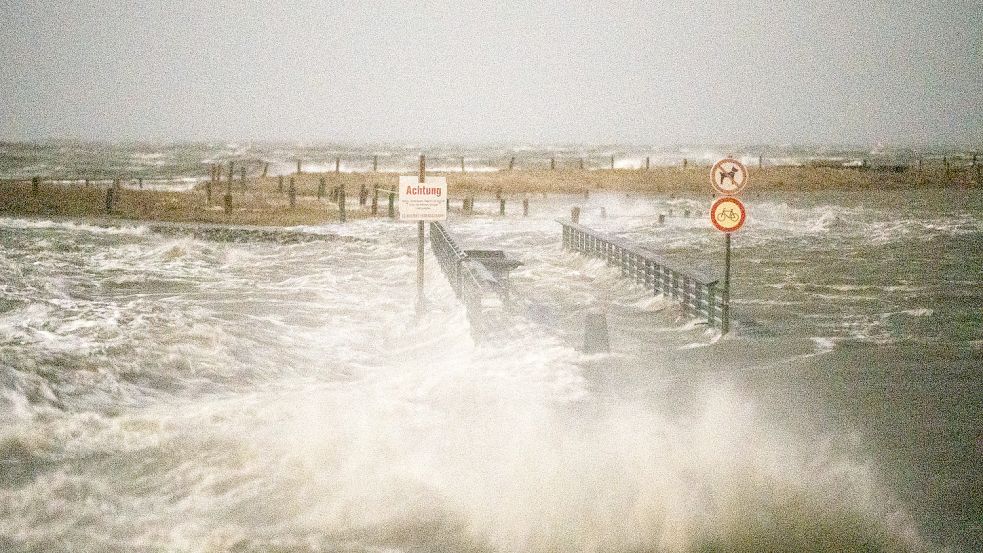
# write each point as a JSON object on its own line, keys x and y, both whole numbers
{"x": 422, "y": 202}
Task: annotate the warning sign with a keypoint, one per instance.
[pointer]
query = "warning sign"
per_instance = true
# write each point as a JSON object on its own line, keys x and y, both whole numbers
{"x": 729, "y": 176}
{"x": 426, "y": 201}
{"x": 728, "y": 214}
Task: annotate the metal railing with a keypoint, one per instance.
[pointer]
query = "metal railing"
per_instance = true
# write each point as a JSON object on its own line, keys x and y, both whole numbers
{"x": 471, "y": 281}
{"x": 699, "y": 294}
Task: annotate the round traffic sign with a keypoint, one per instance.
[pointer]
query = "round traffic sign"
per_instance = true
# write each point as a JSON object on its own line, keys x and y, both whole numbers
{"x": 729, "y": 176}
{"x": 728, "y": 214}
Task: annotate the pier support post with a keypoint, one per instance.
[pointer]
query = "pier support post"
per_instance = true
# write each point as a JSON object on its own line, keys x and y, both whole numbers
{"x": 575, "y": 214}
{"x": 375, "y": 201}
{"x": 342, "y": 216}
{"x": 511, "y": 163}
{"x": 35, "y": 185}
{"x": 375, "y": 164}
{"x": 662, "y": 219}
{"x": 321, "y": 186}
{"x": 292, "y": 193}
{"x": 647, "y": 162}
{"x": 363, "y": 195}
{"x": 392, "y": 204}
{"x": 298, "y": 167}
{"x": 279, "y": 185}
{"x": 337, "y": 165}
{"x": 525, "y": 207}
{"x": 140, "y": 183}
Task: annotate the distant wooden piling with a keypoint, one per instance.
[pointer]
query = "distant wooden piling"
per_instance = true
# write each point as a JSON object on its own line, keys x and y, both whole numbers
{"x": 575, "y": 214}
{"x": 242, "y": 178}
{"x": 581, "y": 164}
{"x": 232, "y": 172}
{"x": 337, "y": 165}
{"x": 363, "y": 195}
{"x": 140, "y": 183}
{"x": 647, "y": 162}
{"x": 552, "y": 164}
{"x": 612, "y": 162}
{"x": 279, "y": 185}
{"x": 462, "y": 164}
{"x": 342, "y": 217}
{"x": 662, "y": 219}
{"x": 501, "y": 206}
{"x": 685, "y": 162}
{"x": 760, "y": 161}
{"x": 375, "y": 201}
{"x": 375, "y": 164}
{"x": 498, "y": 194}
{"x": 392, "y": 204}
{"x": 266, "y": 168}
{"x": 227, "y": 203}
{"x": 298, "y": 167}
{"x": 511, "y": 163}
{"x": 35, "y": 185}
{"x": 525, "y": 207}
{"x": 321, "y": 187}
{"x": 292, "y": 193}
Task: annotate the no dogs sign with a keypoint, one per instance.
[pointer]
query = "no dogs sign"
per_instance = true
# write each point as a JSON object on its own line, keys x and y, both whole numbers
{"x": 729, "y": 176}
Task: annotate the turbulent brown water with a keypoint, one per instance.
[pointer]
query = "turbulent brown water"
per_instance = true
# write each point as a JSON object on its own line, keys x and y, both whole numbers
{"x": 168, "y": 393}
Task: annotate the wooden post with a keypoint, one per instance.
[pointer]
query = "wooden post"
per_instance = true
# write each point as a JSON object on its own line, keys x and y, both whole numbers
{"x": 228, "y": 203}
{"x": 298, "y": 167}
{"x": 140, "y": 183}
{"x": 337, "y": 165}
{"x": 725, "y": 306}
{"x": 525, "y": 207}
{"x": 266, "y": 167}
{"x": 685, "y": 162}
{"x": 662, "y": 219}
{"x": 392, "y": 204}
{"x": 612, "y": 162}
{"x": 375, "y": 201}
{"x": 498, "y": 194}
{"x": 686, "y": 214}
{"x": 462, "y": 164}
{"x": 242, "y": 178}
{"x": 279, "y": 186}
{"x": 109, "y": 199}
{"x": 35, "y": 185}
{"x": 86, "y": 184}
{"x": 575, "y": 214}
{"x": 419, "y": 245}
{"x": 292, "y": 193}
{"x": 501, "y": 206}
{"x": 321, "y": 187}
{"x": 552, "y": 164}
{"x": 511, "y": 163}
{"x": 375, "y": 164}
{"x": 647, "y": 162}
{"x": 363, "y": 195}
{"x": 760, "y": 160}
{"x": 228, "y": 182}
{"x": 341, "y": 205}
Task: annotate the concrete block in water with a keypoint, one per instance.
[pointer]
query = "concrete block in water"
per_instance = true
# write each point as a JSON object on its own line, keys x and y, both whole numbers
{"x": 596, "y": 333}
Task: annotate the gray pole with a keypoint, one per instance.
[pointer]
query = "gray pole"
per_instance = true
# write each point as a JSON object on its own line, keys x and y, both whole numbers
{"x": 419, "y": 246}
{"x": 725, "y": 306}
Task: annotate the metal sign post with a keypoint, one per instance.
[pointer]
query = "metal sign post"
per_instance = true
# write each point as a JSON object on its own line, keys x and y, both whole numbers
{"x": 728, "y": 177}
{"x": 420, "y": 302}
{"x": 421, "y": 199}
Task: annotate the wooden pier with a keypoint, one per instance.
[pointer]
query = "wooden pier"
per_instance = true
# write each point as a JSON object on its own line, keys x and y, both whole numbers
{"x": 699, "y": 294}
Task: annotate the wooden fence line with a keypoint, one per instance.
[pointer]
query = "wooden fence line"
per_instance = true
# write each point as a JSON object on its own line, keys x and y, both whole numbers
{"x": 699, "y": 294}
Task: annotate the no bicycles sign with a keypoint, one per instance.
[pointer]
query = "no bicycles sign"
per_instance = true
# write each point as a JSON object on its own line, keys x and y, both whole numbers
{"x": 728, "y": 214}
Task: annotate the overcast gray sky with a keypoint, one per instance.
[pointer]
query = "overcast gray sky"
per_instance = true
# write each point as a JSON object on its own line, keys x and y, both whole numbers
{"x": 629, "y": 72}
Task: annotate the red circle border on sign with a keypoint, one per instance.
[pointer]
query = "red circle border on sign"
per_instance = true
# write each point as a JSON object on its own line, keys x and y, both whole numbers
{"x": 713, "y": 177}
{"x": 740, "y": 206}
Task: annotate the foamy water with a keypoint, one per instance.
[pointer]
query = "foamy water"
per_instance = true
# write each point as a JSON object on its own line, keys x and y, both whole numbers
{"x": 162, "y": 393}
